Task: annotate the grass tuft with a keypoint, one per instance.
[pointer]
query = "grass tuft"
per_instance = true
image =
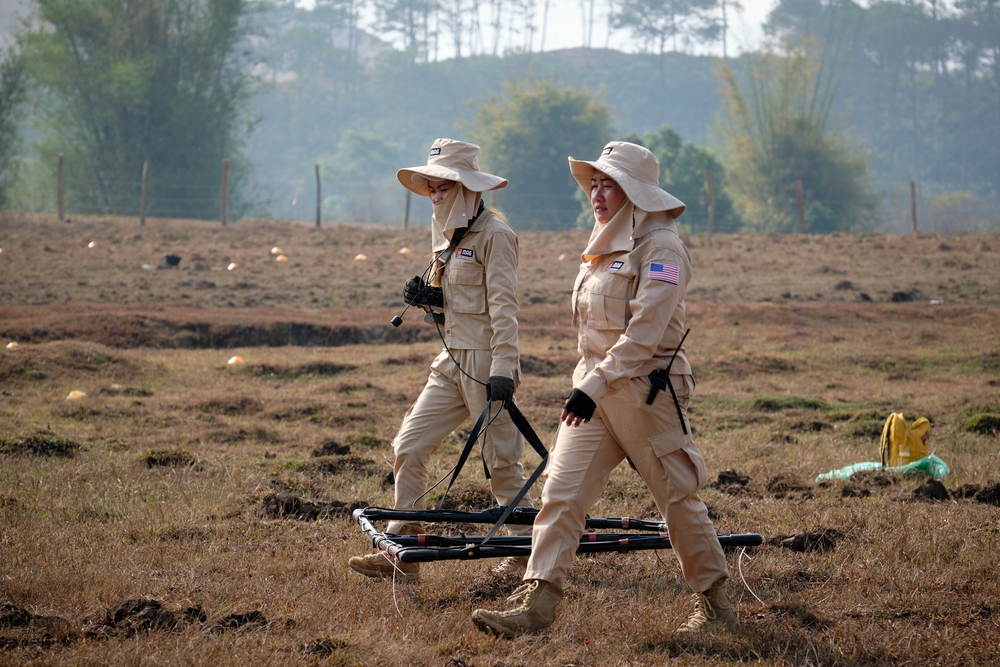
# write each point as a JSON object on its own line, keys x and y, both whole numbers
{"x": 985, "y": 424}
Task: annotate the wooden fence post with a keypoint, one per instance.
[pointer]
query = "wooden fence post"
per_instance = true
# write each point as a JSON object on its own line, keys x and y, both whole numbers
{"x": 60, "y": 191}
{"x": 801, "y": 205}
{"x": 711, "y": 201}
{"x": 225, "y": 192}
{"x": 913, "y": 204}
{"x": 142, "y": 202}
{"x": 406, "y": 213}
{"x": 319, "y": 198}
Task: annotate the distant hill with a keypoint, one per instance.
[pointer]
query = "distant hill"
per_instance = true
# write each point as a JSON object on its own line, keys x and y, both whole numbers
{"x": 395, "y": 107}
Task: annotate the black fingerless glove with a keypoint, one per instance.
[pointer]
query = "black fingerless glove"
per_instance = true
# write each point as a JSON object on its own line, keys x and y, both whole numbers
{"x": 499, "y": 388}
{"x": 412, "y": 290}
{"x": 580, "y": 404}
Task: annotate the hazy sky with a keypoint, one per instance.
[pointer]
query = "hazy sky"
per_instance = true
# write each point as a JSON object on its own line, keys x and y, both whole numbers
{"x": 564, "y": 28}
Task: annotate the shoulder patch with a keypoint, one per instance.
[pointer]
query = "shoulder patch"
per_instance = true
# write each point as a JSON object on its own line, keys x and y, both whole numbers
{"x": 667, "y": 273}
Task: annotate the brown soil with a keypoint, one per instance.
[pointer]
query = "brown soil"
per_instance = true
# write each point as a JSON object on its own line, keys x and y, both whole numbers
{"x": 799, "y": 349}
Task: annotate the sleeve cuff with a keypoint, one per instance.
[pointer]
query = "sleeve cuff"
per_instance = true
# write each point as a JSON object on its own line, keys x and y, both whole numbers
{"x": 504, "y": 368}
{"x": 593, "y": 385}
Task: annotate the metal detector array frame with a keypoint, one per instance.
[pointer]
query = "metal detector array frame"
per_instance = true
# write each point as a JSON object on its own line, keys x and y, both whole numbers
{"x": 427, "y": 548}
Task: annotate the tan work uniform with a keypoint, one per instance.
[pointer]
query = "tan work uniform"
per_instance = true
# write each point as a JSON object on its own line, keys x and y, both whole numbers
{"x": 629, "y": 307}
{"x": 479, "y": 285}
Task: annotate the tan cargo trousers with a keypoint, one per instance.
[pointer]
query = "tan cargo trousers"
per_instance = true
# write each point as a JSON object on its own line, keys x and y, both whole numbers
{"x": 447, "y": 400}
{"x": 668, "y": 461}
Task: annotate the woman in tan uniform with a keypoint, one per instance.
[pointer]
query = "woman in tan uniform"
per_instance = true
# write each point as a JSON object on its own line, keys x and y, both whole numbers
{"x": 628, "y": 302}
{"x": 473, "y": 283}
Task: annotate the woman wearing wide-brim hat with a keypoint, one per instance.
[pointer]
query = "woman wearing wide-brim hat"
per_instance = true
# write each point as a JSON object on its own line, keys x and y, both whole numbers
{"x": 472, "y": 282}
{"x": 630, "y": 395}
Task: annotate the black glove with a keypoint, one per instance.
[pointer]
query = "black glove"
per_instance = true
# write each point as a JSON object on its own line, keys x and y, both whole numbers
{"x": 412, "y": 290}
{"x": 499, "y": 388}
{"x": 433, "y": 296}
{"x": 580, "y": 404}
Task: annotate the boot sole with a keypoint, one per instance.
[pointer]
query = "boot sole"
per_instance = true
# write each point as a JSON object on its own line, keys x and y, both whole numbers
{"x": 487, "y": 626}
{"x": 729, "y": 627}
{"x": 402, "y": 577}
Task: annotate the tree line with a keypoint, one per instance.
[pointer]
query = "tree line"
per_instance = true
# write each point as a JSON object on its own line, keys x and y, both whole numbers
{"x": 851, "y": 102}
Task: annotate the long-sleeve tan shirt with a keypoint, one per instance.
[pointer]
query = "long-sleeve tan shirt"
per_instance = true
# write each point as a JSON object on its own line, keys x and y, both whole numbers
{"x": 629, "y": 307}
{"x": 480, "y": 294}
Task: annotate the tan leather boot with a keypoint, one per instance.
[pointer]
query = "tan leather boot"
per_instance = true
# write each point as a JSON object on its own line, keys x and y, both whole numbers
{"x": 712, "y": 610}
{"x": 382, "y": 565}
{"x": 536, "y": 610}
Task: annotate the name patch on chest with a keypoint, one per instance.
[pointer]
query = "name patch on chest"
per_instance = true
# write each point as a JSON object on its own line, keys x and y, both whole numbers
{"x": 465, "y": 253}
{"x": 667, "y": 273}
{"x": 614, "y": 266}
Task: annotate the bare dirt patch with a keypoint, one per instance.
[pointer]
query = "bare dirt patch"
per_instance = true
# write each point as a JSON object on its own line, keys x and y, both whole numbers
{"x": 22, "y": 628}
{"x": 162, "y": 458}
{"x": 331, "y": 448}
{"x": 39, "y": 444}
{"x": 290, "y": 506}
{"x": 821, "y": 540}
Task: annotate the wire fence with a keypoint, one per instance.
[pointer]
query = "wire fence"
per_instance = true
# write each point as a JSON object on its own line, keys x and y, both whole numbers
{"x": 902, "y": 208}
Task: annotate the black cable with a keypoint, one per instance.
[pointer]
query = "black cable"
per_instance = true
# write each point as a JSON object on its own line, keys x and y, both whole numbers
{"x": 453, "y": 359}
{"x": 481, "y": 434}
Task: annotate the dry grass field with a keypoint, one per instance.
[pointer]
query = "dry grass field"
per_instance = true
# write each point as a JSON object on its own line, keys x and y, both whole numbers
{"x": 213, "y": 499}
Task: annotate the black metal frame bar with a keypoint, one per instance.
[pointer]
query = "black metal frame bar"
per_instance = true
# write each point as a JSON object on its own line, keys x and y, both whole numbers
{"x": 428, "y": 548}
{"x": 519, "y": 516}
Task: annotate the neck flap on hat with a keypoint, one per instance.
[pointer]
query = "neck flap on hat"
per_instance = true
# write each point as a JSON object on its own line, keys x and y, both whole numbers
{"x": 647, "y": 221}
{"x": 615, "y": 235}
{"x": 451, "y": 213}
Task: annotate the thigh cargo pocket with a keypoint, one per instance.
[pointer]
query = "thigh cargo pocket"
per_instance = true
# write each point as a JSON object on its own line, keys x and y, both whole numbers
{"x": 668, "y": 442}
{"x": 467, "y": 290}
{"x": 682, "y": 463}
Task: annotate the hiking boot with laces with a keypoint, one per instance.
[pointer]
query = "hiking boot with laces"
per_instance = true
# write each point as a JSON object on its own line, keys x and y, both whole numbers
{"x": 380, "y": 565}
{"x": 536, "y": 610}
{"x": 712, "y": 610}
{"x": 512, "y": 565}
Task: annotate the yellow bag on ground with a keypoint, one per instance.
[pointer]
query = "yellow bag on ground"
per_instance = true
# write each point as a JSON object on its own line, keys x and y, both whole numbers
{"x": 900, "y": 445}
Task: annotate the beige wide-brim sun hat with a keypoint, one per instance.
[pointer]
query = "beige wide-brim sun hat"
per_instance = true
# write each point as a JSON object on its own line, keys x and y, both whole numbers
{"x": 450, "y": 160}
{"x": 636, "y": 170}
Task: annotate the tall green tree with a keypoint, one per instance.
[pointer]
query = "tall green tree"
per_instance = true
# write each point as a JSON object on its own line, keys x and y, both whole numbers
{"x": 660, "y": 23}
{"x": 11, "y": 101}
{"x": 682, "y": 174}
{"x": 778, "y": 129}
{"x": 526, "y": 135}
{"x": 124, "y": 81}
{"x": 409, "y": 19}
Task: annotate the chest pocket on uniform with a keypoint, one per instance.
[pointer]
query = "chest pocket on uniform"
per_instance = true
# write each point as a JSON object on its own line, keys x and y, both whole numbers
{"x": 468, "y": 291}
{"x": 609, "y": 293}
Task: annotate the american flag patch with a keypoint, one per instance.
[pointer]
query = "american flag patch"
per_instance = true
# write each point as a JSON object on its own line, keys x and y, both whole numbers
{"x": 464, "y": 253}
{"x": 668, "y": 273}
{"x": 614, "y": 266}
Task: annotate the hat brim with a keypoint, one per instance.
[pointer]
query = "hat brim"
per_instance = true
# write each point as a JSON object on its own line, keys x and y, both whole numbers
{"x": 644, "y": 195}
{"x": 476, "y": 181}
